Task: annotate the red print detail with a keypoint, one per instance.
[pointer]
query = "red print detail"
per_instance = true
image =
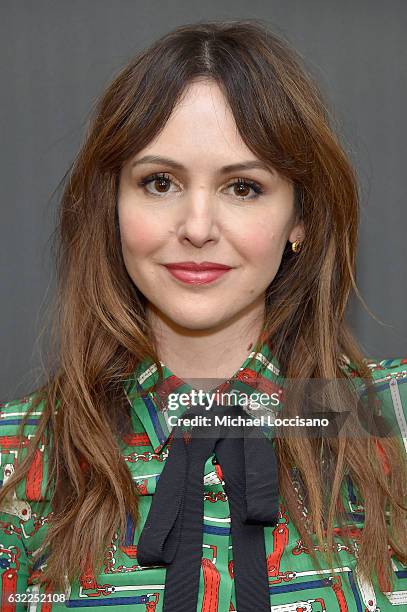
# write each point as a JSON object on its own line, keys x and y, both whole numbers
{"x": 34, "y": 477}
{"x": 383, "y": 457}
{"x": 246, "y": 374}
{"x": 136, "y": 439}
{"x": 340, "y": 596}
{"x": 218, "y": 471}
{"x": 8, "y": 588}
{"x": 12, "y": 442}
{"x": 211, "y": 586}
{"x": 87, "y": 579}
{"x": 280, "y": 541}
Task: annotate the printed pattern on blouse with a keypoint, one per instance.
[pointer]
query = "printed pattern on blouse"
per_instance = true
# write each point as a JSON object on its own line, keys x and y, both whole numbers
{"x": 294, "y": 583}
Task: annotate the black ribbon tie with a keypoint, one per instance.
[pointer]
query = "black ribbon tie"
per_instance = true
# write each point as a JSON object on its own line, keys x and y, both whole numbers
{"x": 173, "y": 531}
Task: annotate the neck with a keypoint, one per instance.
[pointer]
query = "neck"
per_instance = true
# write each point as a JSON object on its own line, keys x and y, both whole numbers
{"x": 206, "y": 353}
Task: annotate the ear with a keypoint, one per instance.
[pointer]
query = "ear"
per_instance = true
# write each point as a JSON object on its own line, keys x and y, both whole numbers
{"x": 297, "y": 232}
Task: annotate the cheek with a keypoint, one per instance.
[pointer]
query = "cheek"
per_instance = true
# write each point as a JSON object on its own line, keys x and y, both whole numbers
{"x": 263, "y": 245}
{"x": 139, "y": 234}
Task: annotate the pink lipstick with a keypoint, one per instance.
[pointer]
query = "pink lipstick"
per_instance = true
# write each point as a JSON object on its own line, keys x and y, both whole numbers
{"x": 194, "y": 273}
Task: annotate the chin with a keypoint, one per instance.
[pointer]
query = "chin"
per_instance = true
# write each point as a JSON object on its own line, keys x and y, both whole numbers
{"x": 195, "y": 320}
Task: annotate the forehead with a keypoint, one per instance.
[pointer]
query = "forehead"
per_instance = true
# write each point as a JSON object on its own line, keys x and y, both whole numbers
{"x": 202, "y": 121}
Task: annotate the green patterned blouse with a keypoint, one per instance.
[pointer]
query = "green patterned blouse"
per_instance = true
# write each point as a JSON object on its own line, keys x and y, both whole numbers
{"x": 294, "y": 583}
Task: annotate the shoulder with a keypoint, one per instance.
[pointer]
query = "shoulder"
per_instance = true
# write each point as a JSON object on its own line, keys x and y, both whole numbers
{"x": 390, "y": 383}
{"x": 384, "y": 372}
{"x": 12, "y": 414}
{"x": 14, "y": 445}
{"x": 391, "y": 368}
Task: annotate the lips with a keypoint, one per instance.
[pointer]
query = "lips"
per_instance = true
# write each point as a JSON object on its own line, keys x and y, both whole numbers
{"x": 197, "y": 267}
{"x": 197, "y": 274}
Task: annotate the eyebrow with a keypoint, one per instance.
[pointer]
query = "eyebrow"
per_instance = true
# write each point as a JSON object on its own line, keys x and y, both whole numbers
{"x": 155, "y": 159}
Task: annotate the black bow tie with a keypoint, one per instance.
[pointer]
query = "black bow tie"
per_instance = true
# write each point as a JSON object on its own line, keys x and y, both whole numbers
{"x": 173, "y": 532}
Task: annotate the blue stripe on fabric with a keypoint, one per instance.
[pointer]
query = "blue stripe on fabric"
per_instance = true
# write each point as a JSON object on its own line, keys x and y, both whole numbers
{"x": 355, "y": 592}
{"x": 152, "y": 411}
{"x": 216, "y": 530}
{"x": 309, "y": 584}
{"x": 17, "y": 421}
{"x": 113, "y": 601}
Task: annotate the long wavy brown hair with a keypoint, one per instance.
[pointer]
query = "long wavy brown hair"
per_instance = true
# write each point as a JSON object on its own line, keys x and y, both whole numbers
{"x": 100, "y": 329}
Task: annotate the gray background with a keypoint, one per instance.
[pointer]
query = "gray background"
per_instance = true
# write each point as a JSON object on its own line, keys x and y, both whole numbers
{"x": 57, "y": 57}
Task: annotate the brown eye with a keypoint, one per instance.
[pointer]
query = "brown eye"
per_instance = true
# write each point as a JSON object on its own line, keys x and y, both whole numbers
{"x": 242, "y": 189}
{"x": 161, "y": 185}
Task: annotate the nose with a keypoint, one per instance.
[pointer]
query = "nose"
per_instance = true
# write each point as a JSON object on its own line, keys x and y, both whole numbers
{"x": 199, "y": 217}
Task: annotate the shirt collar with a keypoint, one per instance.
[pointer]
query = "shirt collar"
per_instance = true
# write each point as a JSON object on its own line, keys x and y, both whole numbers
{"x": 261, "y": 374}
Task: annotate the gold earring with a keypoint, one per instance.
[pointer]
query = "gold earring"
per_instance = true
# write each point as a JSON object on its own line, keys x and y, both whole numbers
{"x": 296, "y": 246}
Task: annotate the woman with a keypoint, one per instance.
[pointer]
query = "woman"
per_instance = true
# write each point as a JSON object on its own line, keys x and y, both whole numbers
{"x": 213, "y": 145}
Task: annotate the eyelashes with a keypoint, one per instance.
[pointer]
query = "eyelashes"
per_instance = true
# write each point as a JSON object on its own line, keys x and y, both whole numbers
{"x": 164, "y": 178}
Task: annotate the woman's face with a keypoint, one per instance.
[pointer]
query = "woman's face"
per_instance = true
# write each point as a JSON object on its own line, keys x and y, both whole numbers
{"x": 201, "y": 212}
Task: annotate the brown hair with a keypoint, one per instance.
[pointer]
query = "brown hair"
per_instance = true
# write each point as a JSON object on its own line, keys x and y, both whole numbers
{"x": 100, "y": 325}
